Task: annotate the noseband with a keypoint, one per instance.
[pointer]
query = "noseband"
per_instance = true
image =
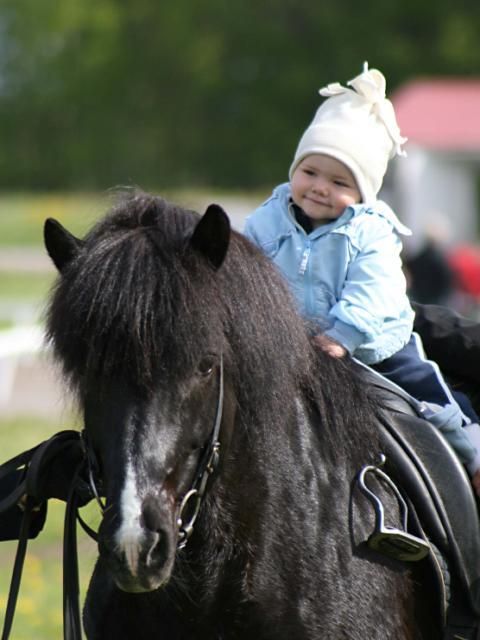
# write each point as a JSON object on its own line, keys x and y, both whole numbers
{"x": 189, "y": 506}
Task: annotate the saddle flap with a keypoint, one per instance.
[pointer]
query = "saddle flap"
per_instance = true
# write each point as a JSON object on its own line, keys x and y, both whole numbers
{"x": 423, "y": 463}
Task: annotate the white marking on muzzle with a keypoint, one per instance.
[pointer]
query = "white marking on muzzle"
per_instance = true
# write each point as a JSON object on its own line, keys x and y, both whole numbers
{"x": 129, "y": 534}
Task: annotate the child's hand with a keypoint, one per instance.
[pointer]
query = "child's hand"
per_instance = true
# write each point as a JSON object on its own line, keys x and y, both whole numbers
{"x": 476, "y": 482}
{"x": 333, "y": 349}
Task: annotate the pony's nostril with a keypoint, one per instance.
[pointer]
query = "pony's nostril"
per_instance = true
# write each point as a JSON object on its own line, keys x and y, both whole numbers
{"x": 156, "y": 554}
{"x": 151, "y": 515}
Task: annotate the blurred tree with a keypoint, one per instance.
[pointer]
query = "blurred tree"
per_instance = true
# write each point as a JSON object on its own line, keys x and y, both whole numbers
{"x": 95, "y": 93}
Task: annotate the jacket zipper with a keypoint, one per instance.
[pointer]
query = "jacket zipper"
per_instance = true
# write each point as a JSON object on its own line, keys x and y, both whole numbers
{"x": 304, "y": 260}
{"x": 304, "y": 271}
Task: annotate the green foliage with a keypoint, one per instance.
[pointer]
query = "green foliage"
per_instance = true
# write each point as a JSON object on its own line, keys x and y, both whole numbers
{"x": 95, "y": 93}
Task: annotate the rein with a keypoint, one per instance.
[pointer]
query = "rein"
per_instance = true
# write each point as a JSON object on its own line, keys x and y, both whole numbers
{"x": 30, "y": 495}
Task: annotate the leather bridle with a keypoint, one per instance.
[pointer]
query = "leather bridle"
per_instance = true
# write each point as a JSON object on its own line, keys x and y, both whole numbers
{"x": 190, "y": 504}
{"x": 192, "y": 500}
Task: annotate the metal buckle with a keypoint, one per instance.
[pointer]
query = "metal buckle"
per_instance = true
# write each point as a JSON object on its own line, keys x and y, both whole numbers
{"x": 185, "y": 529}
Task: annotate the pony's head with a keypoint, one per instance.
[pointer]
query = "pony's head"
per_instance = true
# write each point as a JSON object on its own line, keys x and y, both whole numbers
{"x": 149, "y": 310}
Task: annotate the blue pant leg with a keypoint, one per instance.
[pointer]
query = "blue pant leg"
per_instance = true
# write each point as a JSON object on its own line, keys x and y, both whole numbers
{"x": 465, "y": 405}
{"x": 422, "y": 378}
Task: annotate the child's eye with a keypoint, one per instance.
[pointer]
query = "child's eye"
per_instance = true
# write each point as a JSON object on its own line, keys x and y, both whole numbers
{"x": 309, "y": 172}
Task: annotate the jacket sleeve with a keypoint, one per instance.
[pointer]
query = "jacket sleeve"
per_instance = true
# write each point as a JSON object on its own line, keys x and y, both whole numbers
{"x": 374, "y": 290}
{"x": 249, "y": 232}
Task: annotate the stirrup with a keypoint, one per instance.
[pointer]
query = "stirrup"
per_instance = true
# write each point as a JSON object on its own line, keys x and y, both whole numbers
{"x": 390, "y": 541}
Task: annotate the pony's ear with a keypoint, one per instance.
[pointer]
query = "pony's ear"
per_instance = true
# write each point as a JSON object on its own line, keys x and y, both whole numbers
{"x": 61, "y": 245}
{"x": 211, "y": 236}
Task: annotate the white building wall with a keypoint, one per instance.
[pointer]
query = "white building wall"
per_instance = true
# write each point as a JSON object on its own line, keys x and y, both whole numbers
{"x": 435, "y": 193}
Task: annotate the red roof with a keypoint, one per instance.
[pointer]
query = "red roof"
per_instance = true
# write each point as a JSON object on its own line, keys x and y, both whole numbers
{"x": 441, "y": 113}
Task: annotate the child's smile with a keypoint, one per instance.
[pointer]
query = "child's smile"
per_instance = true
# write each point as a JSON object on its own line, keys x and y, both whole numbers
{"x": 323, "y": 187}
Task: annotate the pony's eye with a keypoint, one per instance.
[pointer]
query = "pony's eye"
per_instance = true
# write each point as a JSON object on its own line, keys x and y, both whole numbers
{"x": 206, "y": 365}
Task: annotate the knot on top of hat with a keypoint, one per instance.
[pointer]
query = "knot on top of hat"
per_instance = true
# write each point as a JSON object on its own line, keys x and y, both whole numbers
{"x": 371, "y": 86}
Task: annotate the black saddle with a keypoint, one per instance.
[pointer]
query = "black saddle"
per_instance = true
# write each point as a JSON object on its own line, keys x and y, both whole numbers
{"x": 441, "y": 501}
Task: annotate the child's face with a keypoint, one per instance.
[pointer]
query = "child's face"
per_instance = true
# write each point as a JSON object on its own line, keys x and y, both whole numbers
{"x": 322, "y": 187}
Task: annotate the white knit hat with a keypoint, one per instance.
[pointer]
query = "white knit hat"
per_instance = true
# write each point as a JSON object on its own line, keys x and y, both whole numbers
{"x": 357, "y": 127}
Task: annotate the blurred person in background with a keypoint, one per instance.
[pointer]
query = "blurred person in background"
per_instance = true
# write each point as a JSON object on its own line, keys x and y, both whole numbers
{"x": 430, "y": 278}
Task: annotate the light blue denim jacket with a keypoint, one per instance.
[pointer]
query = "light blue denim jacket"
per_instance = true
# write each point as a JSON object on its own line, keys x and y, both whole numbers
{"x": 346, "y": 275}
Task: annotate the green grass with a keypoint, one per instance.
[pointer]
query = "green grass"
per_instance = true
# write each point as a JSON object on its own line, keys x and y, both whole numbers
{"x": 39, "y": 608}
{"x": 20, "y": 285}
{"x": 22, "y": 215}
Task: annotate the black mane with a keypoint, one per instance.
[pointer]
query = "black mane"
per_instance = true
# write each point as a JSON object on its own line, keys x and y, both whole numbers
{"x": 138, "y": 303}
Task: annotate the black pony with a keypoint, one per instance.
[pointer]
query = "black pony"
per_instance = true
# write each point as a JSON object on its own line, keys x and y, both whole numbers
{"x": 205, "y": 404}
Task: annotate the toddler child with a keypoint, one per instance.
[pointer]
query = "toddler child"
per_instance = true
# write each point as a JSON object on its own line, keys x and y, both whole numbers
{"x": 339, "y": 249}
